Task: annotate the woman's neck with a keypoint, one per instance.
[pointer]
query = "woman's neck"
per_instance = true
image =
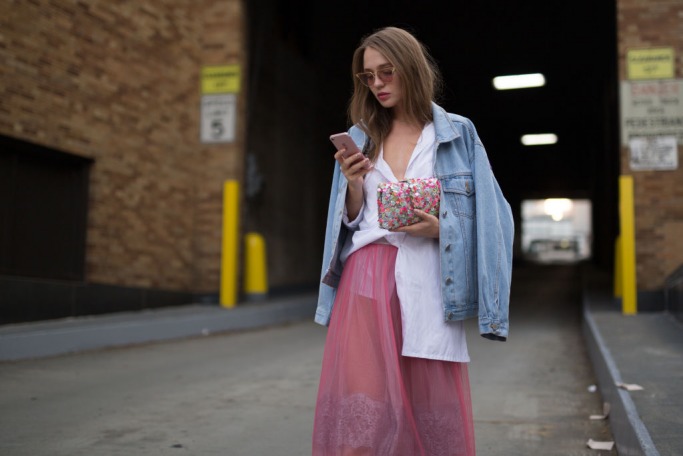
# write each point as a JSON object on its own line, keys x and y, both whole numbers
{"x": 400, "y": 120}
{"x": 406, "y": 125}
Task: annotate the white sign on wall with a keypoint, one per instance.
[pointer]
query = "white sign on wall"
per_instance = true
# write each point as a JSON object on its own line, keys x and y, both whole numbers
{"x": 218, "y": 118}
{"x": 653, "y": 153}
{"x": 652, "y": 108}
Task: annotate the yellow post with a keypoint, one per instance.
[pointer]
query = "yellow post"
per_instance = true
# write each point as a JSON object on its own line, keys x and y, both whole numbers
{"x": 618, "y": 286}
{"x": 255, "y": 269}
{"x": 230, "y": 246}
{"x": 629, "y": 304}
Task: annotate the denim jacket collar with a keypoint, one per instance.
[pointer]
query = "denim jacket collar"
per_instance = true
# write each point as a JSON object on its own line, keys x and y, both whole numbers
{"x": 445, "y": 131}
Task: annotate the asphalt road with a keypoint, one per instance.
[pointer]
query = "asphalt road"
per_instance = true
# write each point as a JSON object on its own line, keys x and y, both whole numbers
{"x": 253, "y": 393}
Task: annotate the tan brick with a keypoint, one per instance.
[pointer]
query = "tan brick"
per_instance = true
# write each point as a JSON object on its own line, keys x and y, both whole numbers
{"x": 658, "y": 194}
{"x": 119, "y": 82}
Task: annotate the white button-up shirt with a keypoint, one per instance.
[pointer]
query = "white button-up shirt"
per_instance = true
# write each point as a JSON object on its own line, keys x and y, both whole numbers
{"x": 425, "y": 333}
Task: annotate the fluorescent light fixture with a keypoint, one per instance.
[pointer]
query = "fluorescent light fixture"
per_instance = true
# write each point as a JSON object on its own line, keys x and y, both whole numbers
{"x": 539, "y": 140}
{"x": 519, "y": 81}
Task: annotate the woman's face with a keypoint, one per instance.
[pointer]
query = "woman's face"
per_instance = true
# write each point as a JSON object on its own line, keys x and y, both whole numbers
{"x": 387, "y": 93}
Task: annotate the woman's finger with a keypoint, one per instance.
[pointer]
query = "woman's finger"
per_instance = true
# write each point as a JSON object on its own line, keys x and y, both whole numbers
{"x": 422, "y": 214}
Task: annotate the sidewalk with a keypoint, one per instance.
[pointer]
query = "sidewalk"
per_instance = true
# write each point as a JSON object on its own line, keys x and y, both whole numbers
{"x": 70, "y": 335}
{"x": 645, "y": 349}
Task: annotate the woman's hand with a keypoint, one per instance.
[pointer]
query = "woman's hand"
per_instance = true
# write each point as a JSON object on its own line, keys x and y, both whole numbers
{"x": 354, "y": 169}
{"x": 427, "y": 227}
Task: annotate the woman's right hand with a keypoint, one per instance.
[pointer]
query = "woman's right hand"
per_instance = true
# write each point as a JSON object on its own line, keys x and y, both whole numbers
{"x": 354, "y": 168}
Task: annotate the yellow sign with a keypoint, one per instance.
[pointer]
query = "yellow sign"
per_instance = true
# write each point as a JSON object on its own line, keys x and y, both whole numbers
{"x": 655, "y": 63}
{"x": 220, "y": 79}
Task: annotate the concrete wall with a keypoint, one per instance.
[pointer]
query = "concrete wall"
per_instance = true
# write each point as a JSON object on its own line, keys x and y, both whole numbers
{"x": 658, "y": 194}
{"x": 296, "y": 102}
{"x": 118, "y": 82}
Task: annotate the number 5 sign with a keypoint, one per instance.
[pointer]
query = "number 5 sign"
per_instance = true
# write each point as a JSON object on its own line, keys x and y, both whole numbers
{"x": 218, "y": 118}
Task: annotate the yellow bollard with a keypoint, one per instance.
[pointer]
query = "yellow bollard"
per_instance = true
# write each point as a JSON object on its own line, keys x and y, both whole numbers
{"x": 629, "y": 305}
{"x": 230, "y": 244}
{"x": 255, "y": 269}
{"x": 618, "y": 287}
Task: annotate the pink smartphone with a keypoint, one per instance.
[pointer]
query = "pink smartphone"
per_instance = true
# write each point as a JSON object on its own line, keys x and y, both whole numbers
{"x": 344, "y": 141}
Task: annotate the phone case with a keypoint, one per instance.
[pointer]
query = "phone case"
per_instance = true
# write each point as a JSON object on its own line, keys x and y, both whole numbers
{"x": 344, "y": 141}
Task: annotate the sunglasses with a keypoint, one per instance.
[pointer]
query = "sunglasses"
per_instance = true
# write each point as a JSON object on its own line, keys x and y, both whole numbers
{"x": 385, "y": 75}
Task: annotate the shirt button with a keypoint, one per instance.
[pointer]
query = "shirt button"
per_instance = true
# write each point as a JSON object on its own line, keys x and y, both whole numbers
{"x": 448, "y": 248}
{"x": 450, "y": 315}
{"x": 449, "y": 281}
{"x": 445, "y": 213}
{"x": 494, "y": 326}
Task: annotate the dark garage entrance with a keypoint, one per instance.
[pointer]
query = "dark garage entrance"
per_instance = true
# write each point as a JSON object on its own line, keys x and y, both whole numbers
{"x": 299, "y": 83}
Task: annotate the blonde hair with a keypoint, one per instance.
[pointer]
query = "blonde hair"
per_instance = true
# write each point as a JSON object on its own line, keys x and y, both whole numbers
{"x": 420, "y": 82}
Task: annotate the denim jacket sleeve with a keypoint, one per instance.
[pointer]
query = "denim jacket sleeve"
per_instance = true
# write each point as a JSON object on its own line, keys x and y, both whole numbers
{"x": 336, "y": 232}
{"x": 495, "y": 231}
{"x": 330, "y": 278}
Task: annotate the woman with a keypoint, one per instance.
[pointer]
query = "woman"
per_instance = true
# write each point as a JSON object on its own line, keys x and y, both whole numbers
{"x": 394, "y": 374}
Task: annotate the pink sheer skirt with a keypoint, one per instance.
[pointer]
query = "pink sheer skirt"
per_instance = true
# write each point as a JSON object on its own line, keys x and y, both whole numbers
{"x": 373, "y": 401}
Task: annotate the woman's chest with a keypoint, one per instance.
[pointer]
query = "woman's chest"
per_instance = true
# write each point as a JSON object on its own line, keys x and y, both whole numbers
{"x": 397, "y": 151}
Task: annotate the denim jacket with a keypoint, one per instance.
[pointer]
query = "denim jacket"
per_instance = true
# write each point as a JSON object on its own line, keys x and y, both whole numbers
{"x": 475, "y": 231}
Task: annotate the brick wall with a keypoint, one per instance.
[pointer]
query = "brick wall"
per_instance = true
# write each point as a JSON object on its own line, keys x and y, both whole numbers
{"x": 118, "y": 82}
{"x": 658, "y": 194}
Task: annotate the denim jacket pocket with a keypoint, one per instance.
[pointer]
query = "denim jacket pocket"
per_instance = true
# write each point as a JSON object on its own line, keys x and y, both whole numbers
{"x": 461, "y": 190}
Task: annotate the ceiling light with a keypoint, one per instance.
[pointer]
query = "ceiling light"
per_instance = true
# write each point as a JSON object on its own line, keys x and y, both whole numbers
{"x": 539, "y": 140}
{"x": 519, "y": 81}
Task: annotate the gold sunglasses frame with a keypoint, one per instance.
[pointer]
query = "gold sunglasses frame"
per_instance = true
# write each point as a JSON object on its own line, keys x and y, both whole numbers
{"x": 375, "y": 75}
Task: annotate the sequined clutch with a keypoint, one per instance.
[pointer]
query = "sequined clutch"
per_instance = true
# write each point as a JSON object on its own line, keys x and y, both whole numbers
{"x": 396, "y": 201}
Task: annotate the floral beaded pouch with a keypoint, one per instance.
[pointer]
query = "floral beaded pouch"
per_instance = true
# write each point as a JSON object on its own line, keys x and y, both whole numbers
{"x": 396, "y": 201}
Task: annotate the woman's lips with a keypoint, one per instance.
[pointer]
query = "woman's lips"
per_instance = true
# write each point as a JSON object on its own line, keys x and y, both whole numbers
{"x": 382, "y": 96}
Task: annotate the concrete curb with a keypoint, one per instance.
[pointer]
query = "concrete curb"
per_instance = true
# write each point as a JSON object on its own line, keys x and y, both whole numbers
{"x": 58, "y": 337}
{"x": 630, "y": 434}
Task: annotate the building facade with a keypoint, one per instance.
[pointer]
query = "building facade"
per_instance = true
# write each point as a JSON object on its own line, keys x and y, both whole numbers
{"x": 111, "y": 199}
{"x": 115, "y": 88}
{"x": 650, "y": 39}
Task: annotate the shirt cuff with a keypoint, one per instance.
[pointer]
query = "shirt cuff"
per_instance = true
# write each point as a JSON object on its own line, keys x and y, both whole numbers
{"x": 353, "y": 224}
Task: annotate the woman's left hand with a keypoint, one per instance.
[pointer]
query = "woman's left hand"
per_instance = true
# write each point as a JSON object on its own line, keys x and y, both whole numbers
{"x": 427, "y": 227}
